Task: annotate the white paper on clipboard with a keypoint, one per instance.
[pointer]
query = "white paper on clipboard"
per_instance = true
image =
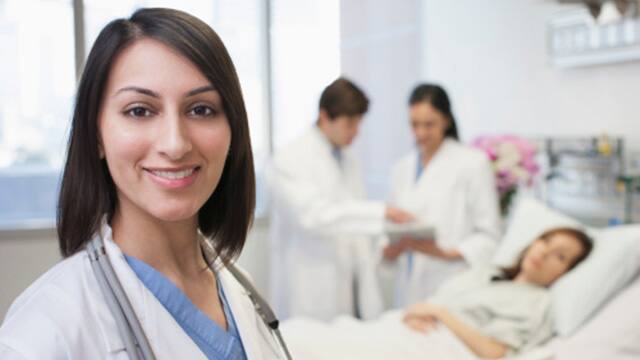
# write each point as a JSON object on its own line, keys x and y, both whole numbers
{"x": 414, "y": 230}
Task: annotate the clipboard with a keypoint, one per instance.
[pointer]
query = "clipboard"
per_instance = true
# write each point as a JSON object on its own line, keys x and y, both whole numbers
{"x": 415, "y": 230}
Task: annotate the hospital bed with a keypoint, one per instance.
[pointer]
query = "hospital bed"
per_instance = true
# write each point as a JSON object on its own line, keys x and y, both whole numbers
{"x": 596, "y": 306}
{"x": 613, "y": 333}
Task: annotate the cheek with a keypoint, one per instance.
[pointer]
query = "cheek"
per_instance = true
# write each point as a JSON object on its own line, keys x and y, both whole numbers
{"x": 120, "y": 144}
{"x": 435, "y": 132}
{"x": 557, "y": 269}
{"x": 214, "y": 142}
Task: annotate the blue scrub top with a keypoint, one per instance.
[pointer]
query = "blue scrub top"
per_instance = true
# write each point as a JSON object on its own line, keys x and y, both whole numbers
{"x": 211, "y": 338}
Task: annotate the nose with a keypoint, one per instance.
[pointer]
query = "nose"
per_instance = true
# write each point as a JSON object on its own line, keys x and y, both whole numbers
{"x": 174, "y": 141}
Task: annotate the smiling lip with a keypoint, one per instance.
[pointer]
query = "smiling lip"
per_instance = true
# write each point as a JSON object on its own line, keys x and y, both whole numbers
{"x": 173, "y": 178}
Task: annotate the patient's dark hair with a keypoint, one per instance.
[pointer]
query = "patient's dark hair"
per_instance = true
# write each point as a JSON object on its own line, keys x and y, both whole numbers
{"x": 585, "y": 241}
{"x": 88, "y": 193}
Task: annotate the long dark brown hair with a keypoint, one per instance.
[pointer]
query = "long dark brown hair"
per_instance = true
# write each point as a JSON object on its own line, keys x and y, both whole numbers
{"x": 510, "y": 273}
{"x": 88, "y": 193}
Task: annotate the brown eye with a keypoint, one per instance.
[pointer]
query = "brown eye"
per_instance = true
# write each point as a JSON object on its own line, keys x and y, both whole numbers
{"x": 201, "y": 111}
{"x": 138, "y": 112}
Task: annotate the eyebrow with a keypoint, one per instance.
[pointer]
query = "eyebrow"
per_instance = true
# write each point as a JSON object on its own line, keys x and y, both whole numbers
{"x": 154, "y": 94}
{"x": 139, "y": 90}
{"x": 200, "y": 90}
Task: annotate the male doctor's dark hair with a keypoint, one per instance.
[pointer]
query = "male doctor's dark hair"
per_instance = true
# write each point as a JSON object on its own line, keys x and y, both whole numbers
{"x": 437, "y": 97}
{"x": 88, "y": 193}
{"x": 343, "y": 97}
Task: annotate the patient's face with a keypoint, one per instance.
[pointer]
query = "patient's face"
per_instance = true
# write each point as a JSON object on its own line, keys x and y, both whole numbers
{"x": 549, "y": 258}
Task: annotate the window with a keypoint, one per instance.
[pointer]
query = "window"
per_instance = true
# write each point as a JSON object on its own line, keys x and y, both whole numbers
{"x": 305, "y": 36}
{"x": 294, "y": 42}
{"x": 36, "y": 95}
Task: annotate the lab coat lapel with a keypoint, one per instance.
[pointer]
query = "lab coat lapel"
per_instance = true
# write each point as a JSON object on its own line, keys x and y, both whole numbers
{"x": 155, "y": 320}
{"x": 246, "y": 318}
{"x": 324, "y": 154}
{"x": 435, "y": 176}
{"x": 436, "y": 166}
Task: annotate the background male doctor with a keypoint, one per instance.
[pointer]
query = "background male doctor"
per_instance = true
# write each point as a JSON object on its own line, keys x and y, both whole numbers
{"x": 322, "y": 250}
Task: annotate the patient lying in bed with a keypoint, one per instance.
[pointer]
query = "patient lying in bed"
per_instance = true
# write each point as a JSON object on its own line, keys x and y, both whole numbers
{"x": 490, "y": 313}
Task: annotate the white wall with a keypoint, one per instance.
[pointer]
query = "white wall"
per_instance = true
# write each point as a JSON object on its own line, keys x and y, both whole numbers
{"x": 491, "y": 56}
{"x": 24, "y": 256}
{"x": 380, "y": 51}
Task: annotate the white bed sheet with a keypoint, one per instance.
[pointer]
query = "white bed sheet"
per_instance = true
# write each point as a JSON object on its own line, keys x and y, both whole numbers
{"x": 613, "y": 333}
{"x": 384, "y": 338}
{"x": 381, "y": 339}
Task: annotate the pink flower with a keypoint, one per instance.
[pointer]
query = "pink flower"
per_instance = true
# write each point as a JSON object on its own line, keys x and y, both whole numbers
{"x": 513, "y": 160}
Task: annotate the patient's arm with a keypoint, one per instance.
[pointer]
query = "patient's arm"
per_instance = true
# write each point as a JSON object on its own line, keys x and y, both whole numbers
{"x": 479, "y": 343}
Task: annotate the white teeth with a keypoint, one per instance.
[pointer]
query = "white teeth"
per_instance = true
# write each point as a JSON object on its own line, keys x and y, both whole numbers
{"x": 174, "y": 175}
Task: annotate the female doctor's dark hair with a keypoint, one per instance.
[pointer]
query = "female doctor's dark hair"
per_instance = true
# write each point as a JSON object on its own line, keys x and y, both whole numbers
{"x": 437, "y": 97}
{"x": 87, "y": 191}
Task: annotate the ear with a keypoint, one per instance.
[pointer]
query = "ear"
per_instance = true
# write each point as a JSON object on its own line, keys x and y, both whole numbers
{"x": 323, "y": 116}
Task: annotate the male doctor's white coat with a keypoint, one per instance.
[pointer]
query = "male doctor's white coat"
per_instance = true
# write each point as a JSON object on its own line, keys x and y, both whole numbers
{"x": 64, "y": 315}
{"x": 321, "y": 230}
{"x": 456, "y": 194}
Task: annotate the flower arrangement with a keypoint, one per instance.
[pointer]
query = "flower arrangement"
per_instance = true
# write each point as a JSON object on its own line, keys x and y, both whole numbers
{"x": 513, "y": 161}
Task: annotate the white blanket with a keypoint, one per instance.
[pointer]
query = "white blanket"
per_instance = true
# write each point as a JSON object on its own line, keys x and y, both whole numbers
{"x": 384, "y": 338}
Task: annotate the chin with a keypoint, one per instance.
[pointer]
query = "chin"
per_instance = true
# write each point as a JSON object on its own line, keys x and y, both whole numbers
{"x": 175, "y": 214}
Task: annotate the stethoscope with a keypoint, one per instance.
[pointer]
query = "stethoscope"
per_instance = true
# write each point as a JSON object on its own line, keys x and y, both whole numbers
{"x": 135, "y": 340}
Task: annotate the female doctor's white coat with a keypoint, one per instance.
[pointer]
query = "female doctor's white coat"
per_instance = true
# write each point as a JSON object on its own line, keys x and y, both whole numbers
{"x": 456, "y": 194}
{"x": 321, "y": 229}
{"x": 64, "y": 315}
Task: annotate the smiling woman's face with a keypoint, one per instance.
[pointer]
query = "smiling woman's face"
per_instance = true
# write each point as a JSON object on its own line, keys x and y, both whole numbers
{"x": 163, "y": 132}
{"x": 429, "y": 126}
{"x": 549, "y": 258}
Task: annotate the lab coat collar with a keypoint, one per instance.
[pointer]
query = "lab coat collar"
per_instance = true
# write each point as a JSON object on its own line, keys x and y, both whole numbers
{"x": 252, "y": 333}
{"x": 250, "y": 328}
{"x": 144, "y": 304}
{"x": 322, "y": 138}
{"x": 134, "y": 289}
{"x": 447, "y": 145}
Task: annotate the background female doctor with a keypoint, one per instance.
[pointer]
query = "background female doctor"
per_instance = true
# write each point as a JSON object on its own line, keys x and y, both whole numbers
{"x": 159, "y": 165}
{"x": 448, "y": 186}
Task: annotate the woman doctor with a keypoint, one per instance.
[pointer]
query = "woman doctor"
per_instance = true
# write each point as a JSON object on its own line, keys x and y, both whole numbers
{"x": 448, "y": 186}
{"x": 160, "y": 168}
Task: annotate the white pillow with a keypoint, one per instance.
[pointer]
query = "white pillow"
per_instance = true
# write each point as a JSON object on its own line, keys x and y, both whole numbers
{"x": 577, "y": 295}
{"x": 611, "y": 334}
{"x": 613, "y": 263}
{"x": 530, "y": 219}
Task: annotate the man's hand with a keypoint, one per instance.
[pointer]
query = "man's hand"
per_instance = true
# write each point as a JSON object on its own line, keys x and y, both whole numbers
{"x": 397, "y": 215}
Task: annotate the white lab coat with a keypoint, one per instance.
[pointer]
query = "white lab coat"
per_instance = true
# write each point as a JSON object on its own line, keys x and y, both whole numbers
{"x": 64, "y": 315}
{"x": 322, "y": 231}
{"x": 456, "y": 194}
